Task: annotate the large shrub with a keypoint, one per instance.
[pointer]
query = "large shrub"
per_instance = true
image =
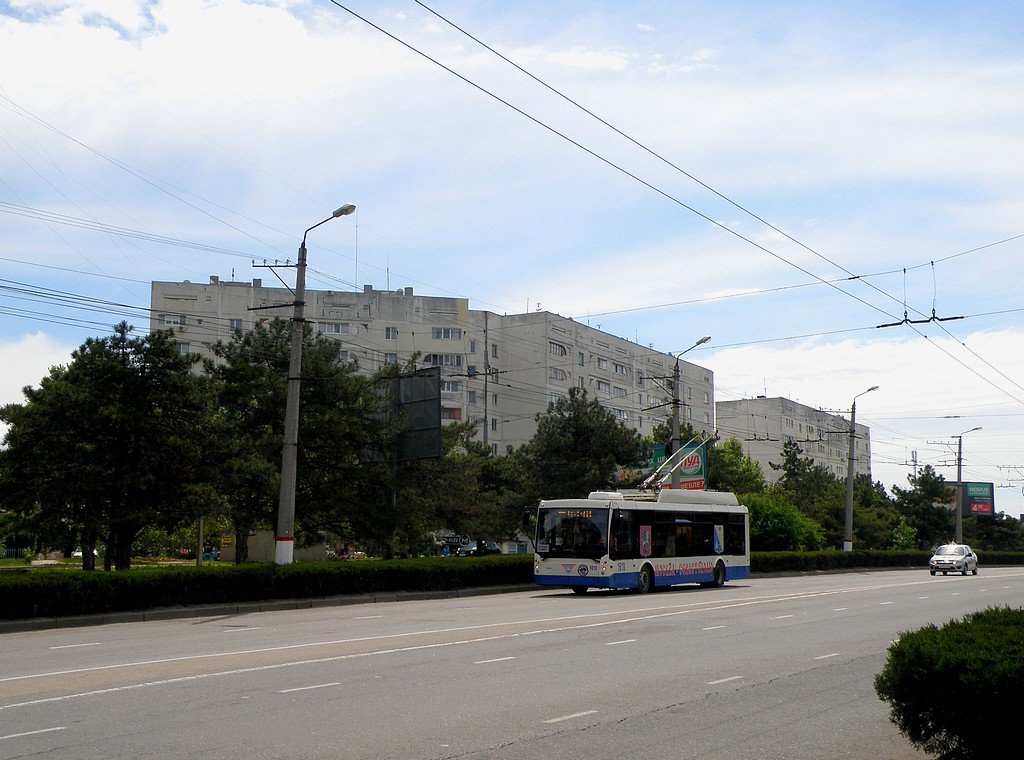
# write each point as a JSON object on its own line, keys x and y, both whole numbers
{"x": 954, "y": 691}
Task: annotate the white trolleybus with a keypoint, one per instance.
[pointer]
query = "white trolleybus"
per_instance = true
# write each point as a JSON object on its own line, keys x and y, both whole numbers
{"x": 615, "y": 540}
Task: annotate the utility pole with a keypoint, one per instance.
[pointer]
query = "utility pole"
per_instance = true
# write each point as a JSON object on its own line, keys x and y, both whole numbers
{"x": 848, "y": 532}
{"x": 284, "y": 540}
{"x": 676, "y": 403}
{"x": 959, "y": 535}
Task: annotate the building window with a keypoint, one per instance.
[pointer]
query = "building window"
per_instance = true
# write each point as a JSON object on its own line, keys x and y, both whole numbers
{"x": 171, "y": 319}
{"x": 391, "y": 358}
{"x": 494, "y": 350}
{"x": 334, "y": 328}
{"x": 557, "y": 373}
{"x": 343, "y": 356}
{"x": 443, "y": 360}
{"x": 620, "y": 392}
{"x": 639, "y": 422}
{"x": 184, "y": 348}
{"x": 494, "y": 426}
{"x": 602, "y": 363}
{"x": 583, "y": 382}
{"x": 390, "y": 333}
{"x": 557, "y": 349}
{"x": 471, "y": 397}
{"x": 450, "y": 414}
{"x": 234, "y": 324}
{"x": 494, "y": 399}
{"x": 472, "y": 347}
{"x": 494, "y": 449}
{"x": 706, "y": 397}
{"x": 621, "y": 414}
{"x": 581, "y": 359}
{"x": 471, "y": 370}
{"x": 620, "y": 369}
{"x": 446, "y": 333}
{"x": 604, "y": 387}
{"x": 450, "y": 386}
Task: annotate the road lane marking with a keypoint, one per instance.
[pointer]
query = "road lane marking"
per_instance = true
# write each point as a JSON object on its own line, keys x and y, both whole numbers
{"x": 572, "y": 623}
{"x": 922, "y": 597}
{"x": 712, "y": 627}
{"x": 496, "y": 659}
{"x": 840, "y": 609}
{"x": 72, "y": 646}
{"x": 236, "y": 630}
{"x": 780, "y": 617}
{"x": 826, "y": 656}
{"x": 624, "y": 641}
{"x": 34, "y": 733}
{"x": 307, "y": 688}
{"x": 882, "y": 604}
{"x": 570, "y": 717}
{"x": 724, "y": 680}
{"x": 368, "y": 617}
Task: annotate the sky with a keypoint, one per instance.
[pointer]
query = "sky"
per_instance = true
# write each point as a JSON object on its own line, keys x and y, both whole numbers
{"x": 785, "y": 177}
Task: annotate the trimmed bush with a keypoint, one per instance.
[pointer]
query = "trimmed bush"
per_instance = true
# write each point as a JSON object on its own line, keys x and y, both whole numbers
{"x": 954, "y": 691}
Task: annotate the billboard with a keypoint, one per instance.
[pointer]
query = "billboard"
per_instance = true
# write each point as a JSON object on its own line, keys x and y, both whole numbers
{"x": 978, "y": 499}
{"x": 693, "y": 472}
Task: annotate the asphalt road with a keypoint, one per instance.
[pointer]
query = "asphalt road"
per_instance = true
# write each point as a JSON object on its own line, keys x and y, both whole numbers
{"x": 775, "y": 667}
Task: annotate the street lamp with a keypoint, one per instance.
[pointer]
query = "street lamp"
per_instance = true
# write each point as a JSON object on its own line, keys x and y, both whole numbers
{"x": 676, "y": 405}
{"x": 848, "y": 535}
{"x": 959, "y": 537}
{"x": 284, "y": 541}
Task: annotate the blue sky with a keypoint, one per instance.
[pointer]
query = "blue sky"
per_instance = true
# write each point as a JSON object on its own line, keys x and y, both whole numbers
{"x": 882, "y": 142}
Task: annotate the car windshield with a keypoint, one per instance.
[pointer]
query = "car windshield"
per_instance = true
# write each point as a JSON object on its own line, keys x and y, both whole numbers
{"x": 950, "y": 550}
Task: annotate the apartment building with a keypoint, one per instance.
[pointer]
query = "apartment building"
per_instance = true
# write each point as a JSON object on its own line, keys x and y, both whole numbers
{"x": 498, "y": 371}
{"x": 763, "y": 425}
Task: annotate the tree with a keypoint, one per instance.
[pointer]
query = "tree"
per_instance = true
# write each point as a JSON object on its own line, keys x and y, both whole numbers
{"x": 921, "y": 506}
{"x": 729, "y": 469}
{"x": 777, "y": 525}
{"x": 115, "y": 441}
{"x": 345, "y": 437}
{"x": 814, "y": 490}
{"x": 578, "y": 448}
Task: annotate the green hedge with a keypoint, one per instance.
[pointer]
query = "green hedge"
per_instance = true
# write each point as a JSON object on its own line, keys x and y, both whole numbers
{"x": 46, "y": 592}
{"x": 954, "y": 691}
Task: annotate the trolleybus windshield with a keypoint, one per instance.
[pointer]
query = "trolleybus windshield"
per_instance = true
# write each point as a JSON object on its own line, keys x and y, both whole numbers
{"x": 572, "y": 532}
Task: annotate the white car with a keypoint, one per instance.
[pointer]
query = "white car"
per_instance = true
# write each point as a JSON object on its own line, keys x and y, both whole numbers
{"x": 953, "y": 558}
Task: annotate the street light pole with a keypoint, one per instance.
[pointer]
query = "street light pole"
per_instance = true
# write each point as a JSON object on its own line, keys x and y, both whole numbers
{"x": 848, "y": 533}
{"x": 959, "y": 535}
{"x": 284, "y": 541}
{"x": 676, "y": 403}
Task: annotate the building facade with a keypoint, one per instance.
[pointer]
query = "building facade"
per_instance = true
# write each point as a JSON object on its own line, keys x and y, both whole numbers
{"x": 763, "y": 425}
{"x": 498, "y": 371}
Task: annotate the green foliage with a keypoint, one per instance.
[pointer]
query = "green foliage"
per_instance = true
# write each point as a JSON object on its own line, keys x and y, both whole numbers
{"x": 729, "y": 469}
{"x": 578, "y": 447}
{"x": 903, "y": 535}
{"x": 777, "y": 525}
{"x": 933, "y": 524}
{"x": 115, "y": 441}
{"x": 951, "y": 689}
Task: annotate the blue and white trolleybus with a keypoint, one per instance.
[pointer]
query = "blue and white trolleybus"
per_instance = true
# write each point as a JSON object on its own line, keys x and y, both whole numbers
{"x": 617, "y": 540}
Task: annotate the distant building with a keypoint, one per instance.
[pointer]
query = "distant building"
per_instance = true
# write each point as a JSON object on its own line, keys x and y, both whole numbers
{"x": 499, "y": 371}
{"x": 763, "y": 425}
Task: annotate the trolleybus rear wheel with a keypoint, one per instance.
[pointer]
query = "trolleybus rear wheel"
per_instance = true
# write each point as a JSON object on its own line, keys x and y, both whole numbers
{"x": 646, "y": 580}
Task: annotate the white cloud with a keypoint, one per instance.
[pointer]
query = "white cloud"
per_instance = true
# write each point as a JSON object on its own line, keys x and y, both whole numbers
{"x": 26, "y": 361}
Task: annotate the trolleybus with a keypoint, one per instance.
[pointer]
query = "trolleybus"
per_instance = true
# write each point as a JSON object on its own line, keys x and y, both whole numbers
{"x": 617, "y": 540}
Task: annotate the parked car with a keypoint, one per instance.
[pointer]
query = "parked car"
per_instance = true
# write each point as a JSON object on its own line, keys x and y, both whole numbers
{"x": 471, "y": 550}
{"x": 211, "y": 554}
{"x": 953, "y": 558}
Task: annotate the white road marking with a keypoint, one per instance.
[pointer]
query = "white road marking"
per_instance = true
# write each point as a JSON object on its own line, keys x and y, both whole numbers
{"x": 712, "y": 627}
{"x": 882, "y": 604}
{"x": 922, "y": 597}
{"x": 570, "y": 717}
{"x": 781, "y": 617}
{"x": 307, "y": 688}
{"x": 236, "y": 630}
{"x": 368, "y": 617}
{"x": 826, "y": 656}
{"x": 724, "y": 680}
{"x": 840, "y": 609}
{"x": 624, "y": 641}
{"x": 33, "y": 733}
{"x": 496, "y": 659}
{"x": 72, "y": 646}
